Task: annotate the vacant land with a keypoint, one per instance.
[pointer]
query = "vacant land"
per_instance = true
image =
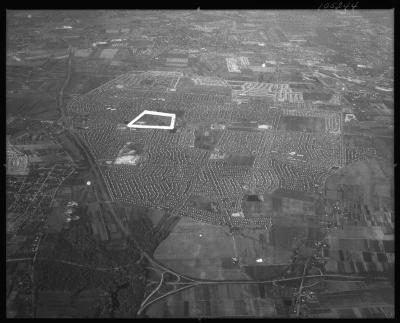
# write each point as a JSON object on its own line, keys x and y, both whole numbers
{"x": 292, "y": 123}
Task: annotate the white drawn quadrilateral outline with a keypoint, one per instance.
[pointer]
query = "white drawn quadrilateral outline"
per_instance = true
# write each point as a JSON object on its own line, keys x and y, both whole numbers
{"x": 155, "y": 113}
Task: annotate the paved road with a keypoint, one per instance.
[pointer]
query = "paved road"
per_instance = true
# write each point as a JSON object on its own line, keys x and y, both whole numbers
{"x": 60, "y": 99}
{"x": 366, "y": 135}
{"x": 154, "y": 291}
{"x": 301, "y": 287}
{"x": 19, "y": 259}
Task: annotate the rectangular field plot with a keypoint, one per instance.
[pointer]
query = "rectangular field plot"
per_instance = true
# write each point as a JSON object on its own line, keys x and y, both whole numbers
{"x": 83, "y": 52}
{"x": 297, "y": 123}
{"x": 108, "y": 53}
{"x": 317, "y": 96}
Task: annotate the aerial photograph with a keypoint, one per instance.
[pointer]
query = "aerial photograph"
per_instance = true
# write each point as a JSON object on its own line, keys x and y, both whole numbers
{"x": 199, "y": 163}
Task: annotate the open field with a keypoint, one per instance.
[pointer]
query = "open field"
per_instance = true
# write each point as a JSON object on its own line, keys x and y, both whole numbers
{"x": 215, "y": 302}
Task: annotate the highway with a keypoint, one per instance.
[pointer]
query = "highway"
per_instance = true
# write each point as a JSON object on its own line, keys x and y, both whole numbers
{"x": 198, "y": 282}
{"x": 19, "y": 259}
{"x": 301, "y": 288}
{"x": 60, "y": 99}
{"x": 154, "y": 291}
